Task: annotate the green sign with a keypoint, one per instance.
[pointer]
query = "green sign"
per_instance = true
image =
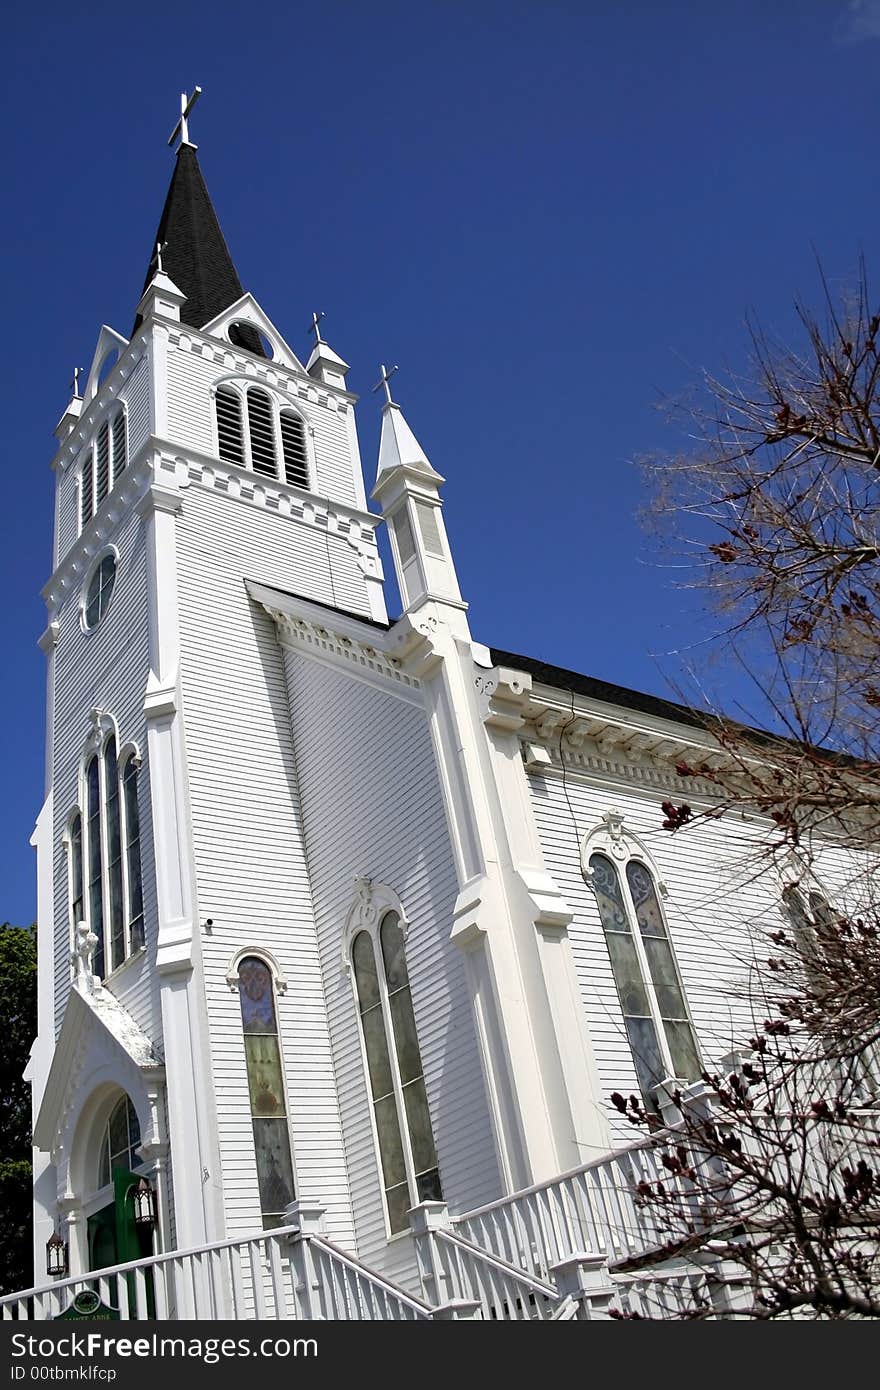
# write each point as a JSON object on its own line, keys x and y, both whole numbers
{"x": 87, "y": 1306}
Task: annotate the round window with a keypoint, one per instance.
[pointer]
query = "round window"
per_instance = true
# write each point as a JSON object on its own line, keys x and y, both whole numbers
{"x": 99, "y": 591}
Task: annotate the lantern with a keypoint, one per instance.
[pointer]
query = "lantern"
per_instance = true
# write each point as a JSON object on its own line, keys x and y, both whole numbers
{"x": 57, "y": 1262}
{"x": 144, "y": 1205}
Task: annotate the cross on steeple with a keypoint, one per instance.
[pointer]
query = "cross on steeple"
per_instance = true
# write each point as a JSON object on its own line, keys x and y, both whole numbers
{"x": 182, "y": 127}
{"x": 384, "y": 379}
{"x": 160, "y": 247}
{"x": 314, "y": 327}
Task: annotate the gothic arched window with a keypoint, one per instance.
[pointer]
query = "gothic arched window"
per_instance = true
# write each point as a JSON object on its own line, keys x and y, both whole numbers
{"x": 120, "y": 1141}
{"x": 106, "y": 890}
{"x": 134, "y": 886}
{"x": 266, "y": 1089}
{"x": 257, "y": 432}
{"x": 400, "y": 1105}
{"x": 658, "y": 1026}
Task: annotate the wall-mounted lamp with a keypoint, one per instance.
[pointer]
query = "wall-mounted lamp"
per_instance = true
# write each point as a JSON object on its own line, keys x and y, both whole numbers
{"x": 144, "y": 1204}
{"x": 57, "y": 1260}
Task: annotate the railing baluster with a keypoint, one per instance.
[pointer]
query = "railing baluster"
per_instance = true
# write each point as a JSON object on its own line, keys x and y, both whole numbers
{"x": 256, "y": 1263}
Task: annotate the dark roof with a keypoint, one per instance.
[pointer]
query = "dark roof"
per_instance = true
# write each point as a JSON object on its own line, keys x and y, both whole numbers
{"x": 328, "y": 607}
{"x": 196, "y": 256}
{"x": 595, "y": 689}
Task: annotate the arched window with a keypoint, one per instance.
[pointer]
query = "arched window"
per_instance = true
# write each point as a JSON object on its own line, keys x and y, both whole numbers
{"x": 266, "y": 1089}
{"x": 652, "y": 1001}
{"x": 400, "y": 1106}
{"x": 133, "y": 854}
{"x": 105, "y": 856}
{"x": 261, "y": 432}
{"x": 96, "y": 878}
{"x": 229, "y": 434}
{"x": 120, "y": 1141}
{"x": 254, "y": 432}
{"x": 113, "y": 834}
{"x": 293, "y": 443}
{"x": 76, "y": 870}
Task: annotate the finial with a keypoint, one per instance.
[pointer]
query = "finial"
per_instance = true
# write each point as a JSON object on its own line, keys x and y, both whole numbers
{"x": 384, "y": 379}
{"x": 313, "y": 327}
{"x": 160, "y": 247}
{"x": 182, "y": 127}
{"x": 74, "y": 385}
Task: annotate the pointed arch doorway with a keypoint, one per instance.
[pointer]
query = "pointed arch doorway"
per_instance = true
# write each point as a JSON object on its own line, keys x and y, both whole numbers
{"x": 113, "y": 1236}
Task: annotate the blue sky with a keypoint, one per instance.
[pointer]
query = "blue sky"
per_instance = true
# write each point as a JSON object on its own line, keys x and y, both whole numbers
{"x": 547, "y": 213}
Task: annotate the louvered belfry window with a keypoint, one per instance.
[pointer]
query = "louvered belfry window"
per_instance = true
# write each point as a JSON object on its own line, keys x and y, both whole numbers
{"x": 87, "y": 491}
{"x": 120, "y": 458}
{"x": 261, "y": 432}
{"x": 253, "y": 432}
{"x": 103, "y": 464}
{"x": 229, "y": 425}
{"x": 293, "y": 443}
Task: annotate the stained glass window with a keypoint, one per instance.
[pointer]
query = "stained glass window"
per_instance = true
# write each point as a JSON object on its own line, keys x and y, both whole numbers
{"x": 266, "y": 1088}
{"x": 100, "y": 591}
{"x": 76, "y": 869}
{"x": 652, "y": 1001}
{"x": 114, "y": 857}
{"x": 403, "y": 1123}
{"x": 133, "y": 855}
{"x": 95, "y": 876}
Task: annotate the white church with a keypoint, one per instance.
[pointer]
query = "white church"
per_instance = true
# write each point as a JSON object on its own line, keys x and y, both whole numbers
{"x": 349, "y": 925}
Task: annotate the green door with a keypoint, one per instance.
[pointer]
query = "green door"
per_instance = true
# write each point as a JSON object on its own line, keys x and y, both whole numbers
{"x": 114, "y": 1238}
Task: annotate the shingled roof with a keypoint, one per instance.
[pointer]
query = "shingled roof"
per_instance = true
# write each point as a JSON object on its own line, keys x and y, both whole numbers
{"x": 196, "y": 256}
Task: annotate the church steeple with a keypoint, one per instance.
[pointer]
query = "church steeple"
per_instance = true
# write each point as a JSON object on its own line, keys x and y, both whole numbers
{"x": 194, "y": 251}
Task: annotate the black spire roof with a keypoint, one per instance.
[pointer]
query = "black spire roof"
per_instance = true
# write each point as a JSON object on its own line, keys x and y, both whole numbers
{"x": 196, "y": 258}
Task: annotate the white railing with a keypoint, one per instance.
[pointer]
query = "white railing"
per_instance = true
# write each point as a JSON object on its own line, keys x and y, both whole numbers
{"x": 460, "y": 1271}
{"x": 278, "y": 1274}
{"x": 593, "y": 1209}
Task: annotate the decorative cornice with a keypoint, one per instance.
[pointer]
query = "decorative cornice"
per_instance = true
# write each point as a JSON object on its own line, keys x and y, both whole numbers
{"x": 344, "y": 641}
{"x": 224, "y": 354}
{"x": 190, "y": 467}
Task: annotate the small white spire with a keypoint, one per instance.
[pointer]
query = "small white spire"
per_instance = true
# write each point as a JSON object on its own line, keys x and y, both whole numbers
{"x": 324, "y": 364}
{"x": 74, "y": 385}
{"x": 398, "y": 446}
{"x": 182, "y": 127}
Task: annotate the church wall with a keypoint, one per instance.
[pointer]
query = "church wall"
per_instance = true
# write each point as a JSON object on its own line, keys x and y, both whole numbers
{"x": 709, "y": 907}
{"x": 372, "y": 806}
{"x": 106, "y": 669}
{"x": 250, "y": 865}
{"x": 194, "y": 366}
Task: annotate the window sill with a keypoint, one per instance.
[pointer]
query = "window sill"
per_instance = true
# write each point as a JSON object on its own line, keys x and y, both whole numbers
{"x": 121, "y": 969}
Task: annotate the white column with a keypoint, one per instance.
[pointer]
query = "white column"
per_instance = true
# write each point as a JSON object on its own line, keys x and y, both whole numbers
{"x": 191, "y": 1129}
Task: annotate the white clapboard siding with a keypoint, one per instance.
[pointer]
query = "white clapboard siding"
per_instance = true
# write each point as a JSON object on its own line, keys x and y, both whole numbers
{"x": 372, "y": 806}
{"x": 106, "y": 669}
{"x": 195, "y": 364}
{"x": 712, "y": 909}
{"x": 252, "y": 879}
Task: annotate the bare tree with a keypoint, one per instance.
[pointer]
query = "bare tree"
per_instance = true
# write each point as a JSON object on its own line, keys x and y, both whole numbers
{"x": 771, "y": 1183}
